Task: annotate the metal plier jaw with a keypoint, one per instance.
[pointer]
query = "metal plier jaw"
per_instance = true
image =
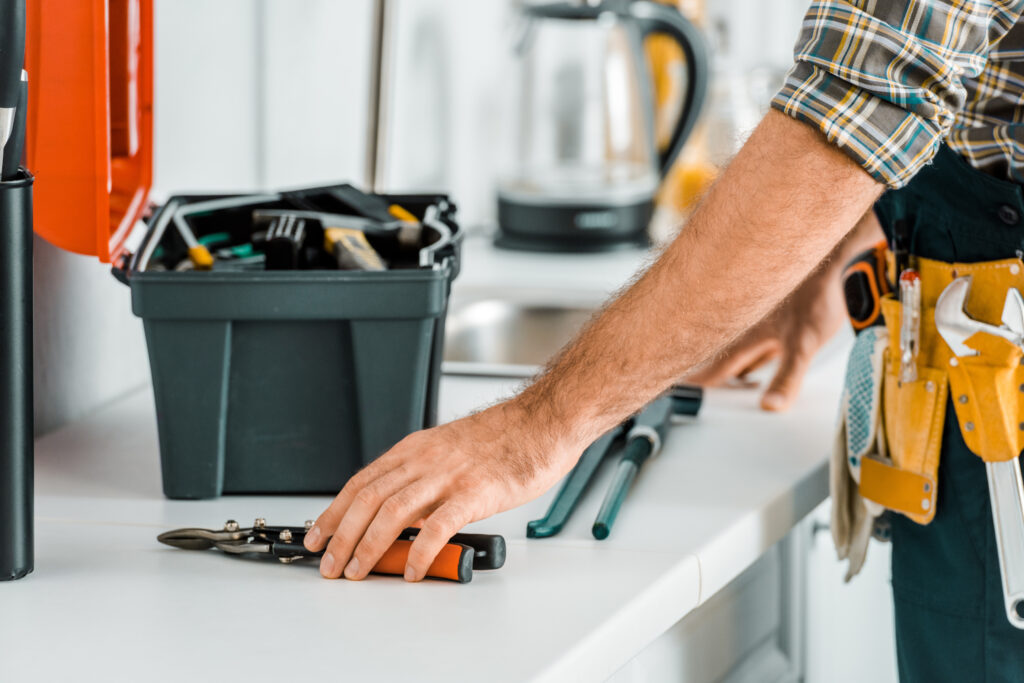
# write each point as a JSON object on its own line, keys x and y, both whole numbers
{"x": 283, "y": 542}
{"x": 1005, "y": 483}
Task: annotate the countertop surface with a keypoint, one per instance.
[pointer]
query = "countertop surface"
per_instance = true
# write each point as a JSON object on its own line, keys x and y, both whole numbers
{"x": 586, "y": 279}
{"x": 107, "y": 602}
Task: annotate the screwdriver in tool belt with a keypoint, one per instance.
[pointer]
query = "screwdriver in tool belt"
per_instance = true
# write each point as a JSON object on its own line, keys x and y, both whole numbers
{"x": 910, "y": 323}
{"x": 643, "y": 440}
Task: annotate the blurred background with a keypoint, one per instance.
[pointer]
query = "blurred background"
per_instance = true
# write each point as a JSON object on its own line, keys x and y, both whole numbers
{"x": 254, "y": 94}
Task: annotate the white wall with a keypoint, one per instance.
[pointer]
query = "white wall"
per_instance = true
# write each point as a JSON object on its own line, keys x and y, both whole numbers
{"x": 313, "y": 91}
{"x": 89, "y": 348}
{"x": 280, "y": 89}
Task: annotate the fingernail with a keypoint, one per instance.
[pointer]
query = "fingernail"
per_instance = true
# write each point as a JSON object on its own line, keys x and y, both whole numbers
{"x": 327, "y": 564}
{"x": 773, "y": 401}
{"x": 410, "y": 574}
{"x": 312, "y": 536}
{"x": 352, "y": 568}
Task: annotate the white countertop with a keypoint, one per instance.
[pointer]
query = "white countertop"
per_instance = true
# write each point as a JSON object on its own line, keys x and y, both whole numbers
{"x": 107, "y": 602}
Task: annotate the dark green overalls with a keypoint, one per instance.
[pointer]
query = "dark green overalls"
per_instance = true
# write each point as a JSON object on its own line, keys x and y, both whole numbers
{"x": 950, "y": 621}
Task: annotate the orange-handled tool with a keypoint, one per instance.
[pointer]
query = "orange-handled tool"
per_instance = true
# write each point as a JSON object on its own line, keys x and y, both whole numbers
{"x": 456, "y": 561}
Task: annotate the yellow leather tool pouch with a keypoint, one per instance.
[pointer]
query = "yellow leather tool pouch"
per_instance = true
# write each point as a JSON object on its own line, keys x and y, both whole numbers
{"x": 905, "y": 479}
{"x": 987, "y": 391}
{"x": 988, "y": 395}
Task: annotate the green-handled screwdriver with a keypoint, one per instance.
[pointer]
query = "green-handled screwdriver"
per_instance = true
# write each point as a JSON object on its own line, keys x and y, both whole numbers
{"x": 643, "y": 440}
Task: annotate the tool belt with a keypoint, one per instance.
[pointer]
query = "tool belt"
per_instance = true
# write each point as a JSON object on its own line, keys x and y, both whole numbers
{"x": 987, "y": 392}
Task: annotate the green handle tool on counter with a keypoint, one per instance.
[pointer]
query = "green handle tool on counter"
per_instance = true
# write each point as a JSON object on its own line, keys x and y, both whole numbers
{"x": 643, "y": 435}
{"x": 645, "y": 439}
{"x": 574, "y": 487}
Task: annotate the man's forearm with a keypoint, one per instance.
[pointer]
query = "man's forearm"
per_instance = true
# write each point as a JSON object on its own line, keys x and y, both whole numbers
{"x": 864, "y": 235}
{"x": 781, "y": 207}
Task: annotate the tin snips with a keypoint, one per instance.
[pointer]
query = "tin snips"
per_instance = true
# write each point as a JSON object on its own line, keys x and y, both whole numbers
{"x": 456, "y": 561}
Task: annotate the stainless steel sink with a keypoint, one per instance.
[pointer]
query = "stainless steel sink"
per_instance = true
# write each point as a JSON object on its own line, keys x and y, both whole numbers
{"x": 505, "y": 338}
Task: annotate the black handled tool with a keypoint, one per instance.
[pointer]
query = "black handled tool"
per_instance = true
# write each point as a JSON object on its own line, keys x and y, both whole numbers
{"x": 488, "y": 549}
{"x": 12, "y": 61}
{"x": 327, "y": 220}
{"x": 285, "y": 238}
{"x": 402, "y": 225}
{"x": 463, "y": 553}
{"x": 686, "y": 399}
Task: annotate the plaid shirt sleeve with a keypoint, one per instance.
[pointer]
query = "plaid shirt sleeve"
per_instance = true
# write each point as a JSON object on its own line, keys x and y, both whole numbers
{"x": 883, "y": 79}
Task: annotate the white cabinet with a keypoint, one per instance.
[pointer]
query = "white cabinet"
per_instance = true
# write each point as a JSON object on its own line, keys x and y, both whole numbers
{"x": 789, "y": 617}
{"x": 738, "y": 636}
{"x": 850, "y": 635}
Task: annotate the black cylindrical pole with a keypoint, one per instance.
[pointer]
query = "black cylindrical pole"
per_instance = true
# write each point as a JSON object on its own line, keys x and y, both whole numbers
{"x": 16, "y": 442}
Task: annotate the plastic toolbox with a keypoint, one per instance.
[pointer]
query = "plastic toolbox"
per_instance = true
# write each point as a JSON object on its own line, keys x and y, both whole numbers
{"x": 288, "y": 381}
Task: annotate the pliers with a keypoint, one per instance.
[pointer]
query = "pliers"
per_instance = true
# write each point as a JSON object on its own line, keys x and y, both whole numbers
{"x": 456, "y": 561}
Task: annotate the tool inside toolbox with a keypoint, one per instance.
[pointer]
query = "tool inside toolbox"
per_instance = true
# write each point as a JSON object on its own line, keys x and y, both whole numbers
{"x": 325, "y": 228}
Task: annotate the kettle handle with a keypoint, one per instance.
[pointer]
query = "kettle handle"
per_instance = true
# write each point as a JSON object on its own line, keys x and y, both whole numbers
{"x": 654, "y": 17}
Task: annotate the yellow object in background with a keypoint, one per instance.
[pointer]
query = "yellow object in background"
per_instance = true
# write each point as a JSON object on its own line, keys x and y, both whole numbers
{"x": 666, "y": 60}
{"x": 693, "y": 173}
{"x": 687, "y": 182}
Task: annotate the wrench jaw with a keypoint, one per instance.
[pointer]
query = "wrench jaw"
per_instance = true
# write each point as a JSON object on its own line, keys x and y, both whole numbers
{"x": 1013, "y": 312}
{"x": 952, "y": 321}
{"x": 956, "y": 327}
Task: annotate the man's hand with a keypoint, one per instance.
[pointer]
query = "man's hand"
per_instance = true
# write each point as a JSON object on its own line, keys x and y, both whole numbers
{"x": 446, "y": 477}
{"x": 792, "y": 334}
{"x": 796, "y": 330}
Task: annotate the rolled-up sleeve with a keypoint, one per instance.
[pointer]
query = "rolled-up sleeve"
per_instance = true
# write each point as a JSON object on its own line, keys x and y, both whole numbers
{"x": 883, "y": 80}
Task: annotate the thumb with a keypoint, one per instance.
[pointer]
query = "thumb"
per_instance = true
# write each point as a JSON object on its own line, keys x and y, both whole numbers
{"x": 785, "y": 385}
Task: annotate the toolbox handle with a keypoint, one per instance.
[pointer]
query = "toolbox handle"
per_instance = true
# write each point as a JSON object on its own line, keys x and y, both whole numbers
{"x": 139, "y": 236}
{"x": 120, "y": 271}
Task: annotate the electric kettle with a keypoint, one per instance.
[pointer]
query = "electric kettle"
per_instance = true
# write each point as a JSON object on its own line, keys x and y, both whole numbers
{"x": 581, "y": 168}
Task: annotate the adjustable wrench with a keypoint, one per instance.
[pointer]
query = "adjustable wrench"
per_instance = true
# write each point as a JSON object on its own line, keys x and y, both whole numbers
{"x": 1005, "y": 484}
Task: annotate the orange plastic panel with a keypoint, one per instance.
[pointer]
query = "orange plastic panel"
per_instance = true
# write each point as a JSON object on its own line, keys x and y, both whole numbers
{"x": 89, "y": 140}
